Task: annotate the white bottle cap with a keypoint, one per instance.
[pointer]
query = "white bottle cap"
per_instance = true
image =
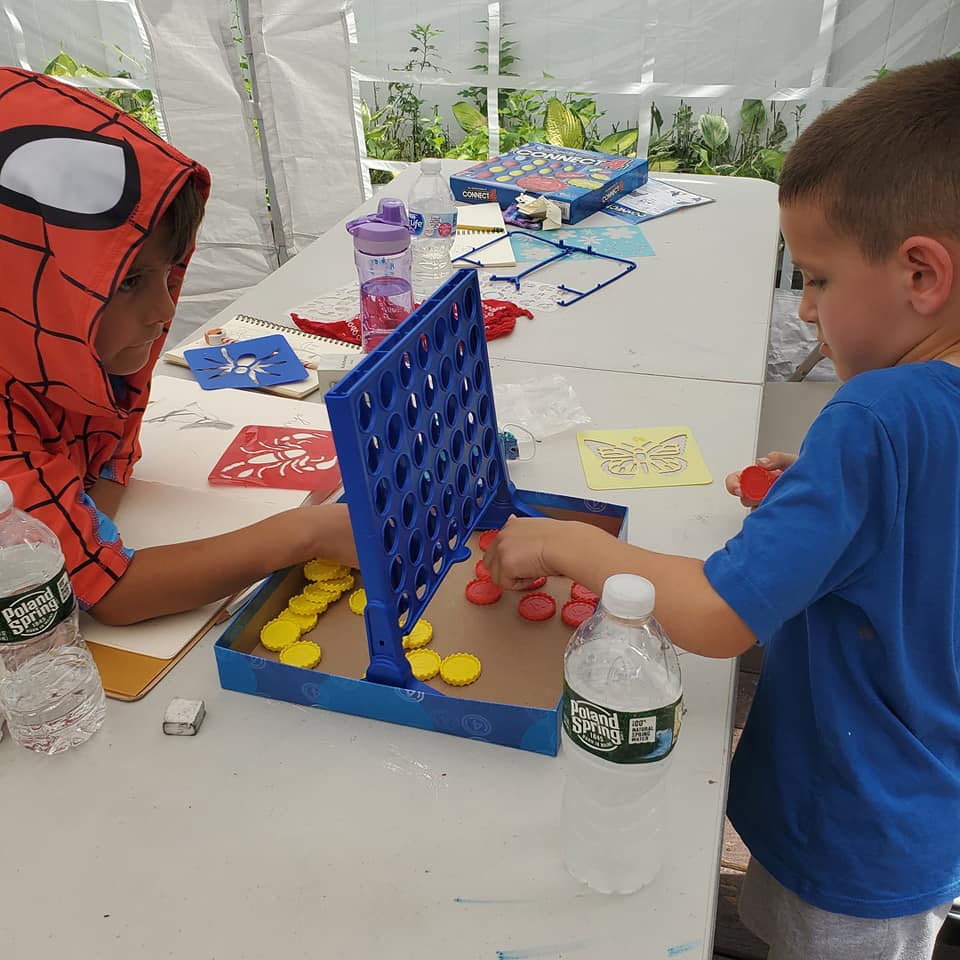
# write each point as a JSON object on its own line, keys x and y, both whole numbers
{"x": 6, "y": 497}
{"x": 430, "y": 165}
{"x": 629, "y": 596}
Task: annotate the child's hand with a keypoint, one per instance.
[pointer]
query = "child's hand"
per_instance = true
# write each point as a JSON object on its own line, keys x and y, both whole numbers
{"x": 519, "y": 553}
{"x": 775, "y": 462}
{"x": 317, "y": 531}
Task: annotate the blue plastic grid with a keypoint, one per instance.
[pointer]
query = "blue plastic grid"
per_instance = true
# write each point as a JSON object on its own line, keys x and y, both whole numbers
{"x": 417, "y": 440}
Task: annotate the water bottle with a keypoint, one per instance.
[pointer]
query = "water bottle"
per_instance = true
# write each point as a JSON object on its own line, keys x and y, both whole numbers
{"x": 622, "y": 704}
{"x": 381, "y": 250}
{"x": 433, "y": 225}
{"x": 50, "y": 689}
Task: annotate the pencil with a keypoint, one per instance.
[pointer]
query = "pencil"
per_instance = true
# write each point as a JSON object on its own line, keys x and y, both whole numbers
{"x": 481, "y": 229}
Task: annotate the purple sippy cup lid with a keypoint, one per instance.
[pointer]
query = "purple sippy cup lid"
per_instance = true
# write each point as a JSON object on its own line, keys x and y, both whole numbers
{"x": 382, "y": 233}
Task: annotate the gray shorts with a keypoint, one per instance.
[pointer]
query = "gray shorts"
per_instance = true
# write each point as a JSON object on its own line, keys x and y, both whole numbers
{"x": 795, "y": 930}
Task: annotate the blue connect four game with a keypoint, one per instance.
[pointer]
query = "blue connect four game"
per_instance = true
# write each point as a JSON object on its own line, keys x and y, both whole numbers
{"x": 416, "y": 435}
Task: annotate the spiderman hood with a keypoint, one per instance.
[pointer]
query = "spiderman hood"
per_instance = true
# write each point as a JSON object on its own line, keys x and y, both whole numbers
{"x": 81, "y": 185}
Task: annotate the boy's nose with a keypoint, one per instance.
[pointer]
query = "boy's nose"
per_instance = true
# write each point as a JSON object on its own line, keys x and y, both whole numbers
{"x": 806, "y": 311}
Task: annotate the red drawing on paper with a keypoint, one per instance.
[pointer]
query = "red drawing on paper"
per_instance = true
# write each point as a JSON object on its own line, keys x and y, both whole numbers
{"x": 284, "y": 458}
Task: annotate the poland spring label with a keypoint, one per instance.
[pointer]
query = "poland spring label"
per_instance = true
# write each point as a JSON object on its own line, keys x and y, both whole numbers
{"x": 25, "y": 616}
{"x": 618, "y": 736}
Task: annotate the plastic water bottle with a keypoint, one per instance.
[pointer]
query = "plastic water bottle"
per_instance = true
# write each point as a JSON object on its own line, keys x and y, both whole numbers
{"x": 433, "y": 225}
{"x": 381, "y": 251}
{"x": 50, "y": 689}
{"x": 622, "y": 704}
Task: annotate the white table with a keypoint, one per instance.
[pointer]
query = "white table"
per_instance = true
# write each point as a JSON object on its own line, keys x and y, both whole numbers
{"x": 280, "y": 831}
{"x": 699, "y": 309}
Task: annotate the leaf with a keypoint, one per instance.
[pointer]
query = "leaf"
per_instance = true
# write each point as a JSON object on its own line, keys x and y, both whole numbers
{"x": 664, "y": 166}
{"x": 714, "y": 130}
{"x": 62, "y": 65}
{"x": 468, "y": 116}
{"x": 753, "y": 115}
{"x": 620, "y": 141}
{"x": 773, "y": 159}
{"x": 563, "y": 127}
{"x": 778, "y": 135}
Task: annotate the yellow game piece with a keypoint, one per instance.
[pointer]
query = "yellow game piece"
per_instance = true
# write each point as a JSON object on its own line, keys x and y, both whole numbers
{"x": 340, "y": 584}
{"x": 303, "y": 654}
{"x": 305, "y": 621}
{"x": 277, "y": 635}
{"x": 320, "y": 593}
{"x": 419, "y": 636}
{"x": 358, "y": 601}
{"x": 460, "y": 669}
{"x": 306, "y": 606}
{"x": 425, "y": 664}
{"x": 322, "y": 570}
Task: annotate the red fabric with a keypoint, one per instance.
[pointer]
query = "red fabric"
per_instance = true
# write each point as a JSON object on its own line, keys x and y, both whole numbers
{"x": 62, "y": 425}
{"x": 499, "y": 319}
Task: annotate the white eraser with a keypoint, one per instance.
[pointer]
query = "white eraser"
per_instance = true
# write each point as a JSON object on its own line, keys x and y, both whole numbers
{"x": 183, "y": 717}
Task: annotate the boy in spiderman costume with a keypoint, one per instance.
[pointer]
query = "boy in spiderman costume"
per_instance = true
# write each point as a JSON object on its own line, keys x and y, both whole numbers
{"x": 98, "y": 218}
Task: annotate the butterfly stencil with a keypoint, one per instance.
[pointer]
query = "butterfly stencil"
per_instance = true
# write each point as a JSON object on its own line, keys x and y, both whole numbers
{"x": 661, "y": 457}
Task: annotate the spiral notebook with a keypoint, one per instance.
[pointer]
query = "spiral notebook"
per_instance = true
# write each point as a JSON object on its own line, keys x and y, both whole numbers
{"x": 477, "y": 224}
{"x": 326, "y": 359}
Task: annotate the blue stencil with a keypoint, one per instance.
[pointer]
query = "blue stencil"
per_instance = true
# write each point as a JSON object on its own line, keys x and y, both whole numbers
{"x": 262, "y": 362}
{"x": 626, "y": 240}
{"x": 417, "y": 439}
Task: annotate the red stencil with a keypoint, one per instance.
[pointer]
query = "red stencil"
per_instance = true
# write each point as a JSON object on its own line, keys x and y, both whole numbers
{"x": 283, "y": 458}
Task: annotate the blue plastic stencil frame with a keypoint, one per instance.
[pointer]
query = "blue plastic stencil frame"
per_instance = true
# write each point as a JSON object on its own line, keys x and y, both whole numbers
{"x": 416, "y": 435}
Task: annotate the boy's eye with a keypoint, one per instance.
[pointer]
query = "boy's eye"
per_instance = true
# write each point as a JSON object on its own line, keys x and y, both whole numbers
{"x": 818, "y": 283}
{"x": 128, "y": 284}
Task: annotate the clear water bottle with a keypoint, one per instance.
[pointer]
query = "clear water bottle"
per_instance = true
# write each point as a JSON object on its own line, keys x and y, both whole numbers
{"x": 50, "y": 689}
{"x": 433, "y": 225}
{"x": 622, "y": 704}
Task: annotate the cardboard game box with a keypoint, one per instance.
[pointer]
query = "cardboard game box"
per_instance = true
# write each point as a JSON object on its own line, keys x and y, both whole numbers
{"x": 416, "y": 438}
{"x": 580, "y": 181}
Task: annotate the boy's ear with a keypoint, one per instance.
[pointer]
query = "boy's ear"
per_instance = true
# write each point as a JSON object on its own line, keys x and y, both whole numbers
{"x": 930, "y": 271}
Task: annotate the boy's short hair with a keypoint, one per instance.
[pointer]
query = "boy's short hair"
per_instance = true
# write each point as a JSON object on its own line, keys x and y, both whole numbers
{"x": 884, "y": 164}
{"x": 183, "y": 218}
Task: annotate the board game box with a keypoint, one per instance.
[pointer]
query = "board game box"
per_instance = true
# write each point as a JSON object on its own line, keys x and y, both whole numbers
{"x": 580, "y": 181}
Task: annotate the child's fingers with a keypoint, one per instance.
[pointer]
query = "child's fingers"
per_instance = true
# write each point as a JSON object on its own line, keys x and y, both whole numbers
{"x": 776, "y": 460}
{"x": 732, "y": 483}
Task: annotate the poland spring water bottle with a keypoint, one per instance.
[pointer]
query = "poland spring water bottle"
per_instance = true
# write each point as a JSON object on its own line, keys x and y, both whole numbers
{"x": 50, "y": 689}
{"x": 622, "y": 703}
{"x": 433, "y": 225}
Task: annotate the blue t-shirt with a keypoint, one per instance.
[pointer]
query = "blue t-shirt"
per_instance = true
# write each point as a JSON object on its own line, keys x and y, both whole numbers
{"x": 846, "y": 782}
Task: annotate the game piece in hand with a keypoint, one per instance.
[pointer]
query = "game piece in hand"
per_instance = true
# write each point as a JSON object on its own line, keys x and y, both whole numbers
{"x": 460, "y": 669}
{"x": 303, "y": 654}
{"x": 755, "y": 482}
{"x": 537, "y": 584}
{"x": 487, "y": 538}
{"x": 580, "y": 592}
{"x": 537, "y": 606}
{"x": 574, "y": 612}
{"x": 483, "y": 592}
{"x": 482, "y": 573}
{"x": 277, "y": 635}
{"x": 419, "y": 636}
{"x": 425, "y": 664}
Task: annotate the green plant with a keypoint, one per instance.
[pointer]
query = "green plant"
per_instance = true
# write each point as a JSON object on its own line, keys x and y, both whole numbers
{"x": 706, "y": 145}
{"x": 137, "y": 103}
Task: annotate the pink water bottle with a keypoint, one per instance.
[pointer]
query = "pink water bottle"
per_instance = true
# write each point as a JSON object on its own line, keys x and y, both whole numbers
{"x": 381, "y": 248}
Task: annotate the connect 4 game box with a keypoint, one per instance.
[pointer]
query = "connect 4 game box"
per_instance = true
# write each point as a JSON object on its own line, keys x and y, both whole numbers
{"x": 581, "y": 181}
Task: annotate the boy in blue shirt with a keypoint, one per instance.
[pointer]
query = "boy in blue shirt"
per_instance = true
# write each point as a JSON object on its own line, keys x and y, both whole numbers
{"x": 846, "y": 782}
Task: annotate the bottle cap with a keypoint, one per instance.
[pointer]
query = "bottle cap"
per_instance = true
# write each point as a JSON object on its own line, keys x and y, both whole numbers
{"x": 537, "y": 607}
{"x": 755, "y": 482}
{"x": 425, "y": 664}
{"x": 6, "y": 497}
{"x": 305, "y": 653}
{"x": 574, "y": 612}
{"x": 277, "y": 635}
{"x": 629, "y": 596}
{"x": 419, "y": 636}
{"x": 460, "y": 669}
{"x": 358, "y": 601}
{"x": 382, "y": 233}
{"x": 318, "y": 570}
{"x": 483, "y": 592}
{"x": 430, "y": 165}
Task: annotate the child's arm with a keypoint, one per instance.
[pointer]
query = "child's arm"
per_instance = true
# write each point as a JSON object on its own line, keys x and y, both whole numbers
{"x": 775, "y": 462}
{"x": 184, "y": 576}
{"x": 694, "y": 615}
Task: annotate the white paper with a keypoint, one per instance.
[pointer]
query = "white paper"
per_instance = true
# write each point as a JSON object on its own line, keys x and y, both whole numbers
{"x": 653, "y": 199}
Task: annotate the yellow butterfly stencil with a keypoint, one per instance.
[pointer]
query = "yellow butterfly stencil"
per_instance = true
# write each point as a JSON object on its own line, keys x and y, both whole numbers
{"x": 649, "y": 457}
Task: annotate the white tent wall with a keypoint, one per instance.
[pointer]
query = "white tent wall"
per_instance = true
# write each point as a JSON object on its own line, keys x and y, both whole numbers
{"x": 300, "y": 67}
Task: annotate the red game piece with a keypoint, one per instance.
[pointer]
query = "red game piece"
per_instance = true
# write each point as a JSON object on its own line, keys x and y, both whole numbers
{"x": 481, "y": 571}
{"x": 487, "y": 538}
{"x": 574, "y": 612}
{"x": 483, "y": 592}
{"x": 580, "y": 592}
{"x": 755, "y": 482}
{"x": 537, "y": 584}
{"x": 537, "y": 606}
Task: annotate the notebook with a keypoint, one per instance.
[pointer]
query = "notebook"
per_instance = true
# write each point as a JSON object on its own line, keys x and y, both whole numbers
{"x": 478, "y": 223}
{"x": 326, "y": 359}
